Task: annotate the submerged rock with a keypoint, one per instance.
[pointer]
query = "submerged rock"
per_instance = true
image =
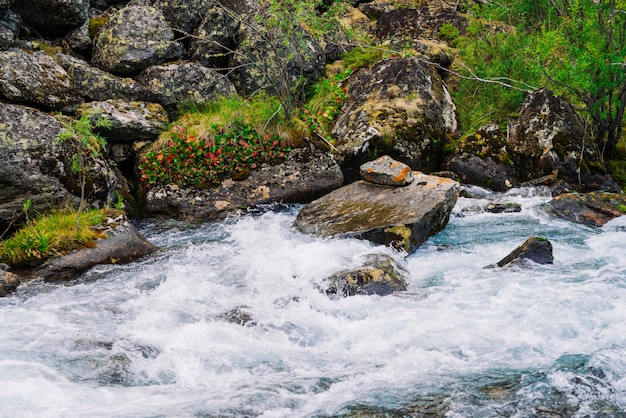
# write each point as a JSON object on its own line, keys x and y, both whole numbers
{"x": 385, "y": 170}
{"x": 403, "y": 217}
{"x": 379, "y": 276}
{"x": 593, "y": 209}
{"x": 305, "y": 174}
{"x": 535, "y": 249}
{"x": 122, "y": 245}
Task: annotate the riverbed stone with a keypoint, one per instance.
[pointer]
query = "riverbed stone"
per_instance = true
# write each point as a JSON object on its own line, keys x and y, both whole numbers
{"x": 129, "y": 121}
{"x": 185, "y": 82}
{"x": 387, "y": 171}
{"x": 123, "y": 244}
{"x": 306, "y": 173}
{"x": 536, "y": 249}
{"x": 8, "y": 282}
{"x": 397, "y": 107}
{"x": 379, "y": 275}
{"x": 35, "y": 79}
{"x": 403, "y": 217}
{"x": 133, "y": 39}
{"x": 592, "y": 209}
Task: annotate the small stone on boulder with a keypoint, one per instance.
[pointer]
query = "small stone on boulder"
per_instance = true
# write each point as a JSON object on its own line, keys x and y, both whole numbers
{"x": 385, "y": 170}
{"x": 535, "y": 249}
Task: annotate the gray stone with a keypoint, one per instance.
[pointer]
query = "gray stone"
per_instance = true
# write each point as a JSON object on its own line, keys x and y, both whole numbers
{"x": 52, "y": 17}
{"x": 399, "y": 107}
{"x": 306, "y": 173}
{"x": 134, "y": 38}
{"x": 403, "y": 217}
{"x": 35, "y": 79}
{"x": 380, "y": 275}
{"x": 79, "y": 39}
{"x": 536, "y": 249}
{"x": 130, "y": 121}
{"x": 6, "y": 37}
{"x": 215, "y": 39}
{"x": 122, "y": 245}
{"x": 385, "y": 170}
{"x": 184, "y": 15}
{"x": 186, "y": 82}
{"x": 99, "y": 85}
{"x": 8, "y": 283}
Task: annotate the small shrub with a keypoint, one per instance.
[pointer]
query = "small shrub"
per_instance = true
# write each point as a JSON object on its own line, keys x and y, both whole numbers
{"x": 328, "y": 97}
{"x": 448, "y": 32}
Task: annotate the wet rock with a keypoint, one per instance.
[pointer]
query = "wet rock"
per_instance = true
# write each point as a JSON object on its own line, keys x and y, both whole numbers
{"x": 548, "y": 135}
{"x": 185, "y": 82}
{"x": 122, "y": 245}
{"x": 593, "y": 209}
{"x": 215, "y": 39}
{"x": 35, "y": 79}
{"x": 535, "y": 249}
{"x": 8, "y": 282}
{"x": 134, "y": 38}
{"x": 508, "y": 207}
{"x": 387, "y": 171}
{"x": 238, "y": 316}
{"x": 99, "y": 85}
{"x": 399, "y": 107}
{"x": 130, "y": 121}
{"x": 403, "y": 217}
{"x": 380, "y": 275}
{"x": 306, "y": 173}
{"x": 482, "y": 159}
{"x": 256, "y": 66}
{"x": 52, "y": 17}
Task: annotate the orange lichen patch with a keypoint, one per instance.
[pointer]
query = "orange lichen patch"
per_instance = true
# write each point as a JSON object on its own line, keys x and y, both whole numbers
{"x": 401, "y": 177}
{"x": 370, "y": 170}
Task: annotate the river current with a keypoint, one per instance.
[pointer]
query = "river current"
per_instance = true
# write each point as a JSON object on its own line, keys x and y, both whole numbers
{"x": 230, "y": 319}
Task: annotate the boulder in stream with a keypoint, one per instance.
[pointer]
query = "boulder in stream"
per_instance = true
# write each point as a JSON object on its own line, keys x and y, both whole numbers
{"x": 379, "y": 276}
{"x": 535, "y": 249}
{"x": 403, "y": 217}
{"x": 593, "y": 209}
{"x": 8, "y": 281}
{"x": 122, "y": 245}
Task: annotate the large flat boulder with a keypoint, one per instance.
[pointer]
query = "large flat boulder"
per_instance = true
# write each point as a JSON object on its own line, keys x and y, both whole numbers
{"x": 592, "y": 209}
{"x": 403, "y": 217}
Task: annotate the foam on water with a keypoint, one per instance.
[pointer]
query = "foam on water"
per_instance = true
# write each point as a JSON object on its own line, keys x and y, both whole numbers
{"x": 231, "y": 319}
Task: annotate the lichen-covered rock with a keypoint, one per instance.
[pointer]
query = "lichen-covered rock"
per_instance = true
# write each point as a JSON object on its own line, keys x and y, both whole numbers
{"x": 593, "y": 209}
{"x": 185, "y": 82}
{"x": 400, "y": 24}
{"x": 398, "y": 107}
{"x": 183, "y": 15}
{"x": 379, "y": 275}
{"x": 483, "y": 159}
{"x": 6, "y": 37}
{"x": 258, "y": 66}
{"x": 52, "y": 17}
{"x": 134, "y": 38}
{"x": 122, "y": 245}
{"x": 385, "y": 170}
{"x": 215, "y": 39}
{"x": 79, "y": 39}
{"x": 403, "y": 217}
{"x": 99, "y": 85}
{"x": 536, "y": 249}
{"x": 548, "y": 135}
{"x": 30, "y": 162}
{"x": 35, "y": 79}
{"x": 306, "y": 173}
{"x": 130, "y": 121}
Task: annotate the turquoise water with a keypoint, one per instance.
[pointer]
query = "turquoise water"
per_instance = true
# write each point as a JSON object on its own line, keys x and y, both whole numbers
{"x": 230, "y": 319}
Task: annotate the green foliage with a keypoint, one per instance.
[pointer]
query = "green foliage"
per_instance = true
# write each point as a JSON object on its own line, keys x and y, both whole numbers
{"x": 363, "y": 56}
{"x": 48, "y": 236}
{"x": 229, "y": 138}
{"x": 448, "y": 32}
{"x": 621, "y": 208}
{"x": 327, "y": 99}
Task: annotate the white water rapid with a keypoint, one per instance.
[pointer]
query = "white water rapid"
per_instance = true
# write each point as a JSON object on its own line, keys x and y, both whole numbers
{"x": 228, "y": 320}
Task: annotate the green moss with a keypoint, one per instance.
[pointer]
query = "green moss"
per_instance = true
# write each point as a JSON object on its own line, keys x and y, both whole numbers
{"x": 621, "y": 208}
{"x": 95, "y": 24}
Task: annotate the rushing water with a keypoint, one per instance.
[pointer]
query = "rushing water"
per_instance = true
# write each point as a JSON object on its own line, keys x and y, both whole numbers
{"x": 230, "y": 319}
